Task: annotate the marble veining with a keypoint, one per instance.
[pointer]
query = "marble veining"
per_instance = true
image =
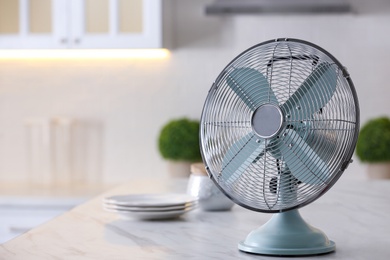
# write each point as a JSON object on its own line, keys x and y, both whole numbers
{"x": 353, "y": 213}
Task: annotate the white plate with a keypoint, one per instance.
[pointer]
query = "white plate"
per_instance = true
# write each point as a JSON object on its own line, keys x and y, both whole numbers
{"x": 151, "y": 200}
{"x": 149, "y": 215}
{"x": 129, "y": 208}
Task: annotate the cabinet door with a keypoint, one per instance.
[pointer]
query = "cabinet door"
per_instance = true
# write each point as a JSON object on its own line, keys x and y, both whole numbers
{"x": 33, "y": 24}
{"x": 116, "y": 24}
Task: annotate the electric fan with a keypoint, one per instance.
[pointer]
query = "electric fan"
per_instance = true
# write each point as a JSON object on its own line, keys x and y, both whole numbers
{"x": 278, "y": 128}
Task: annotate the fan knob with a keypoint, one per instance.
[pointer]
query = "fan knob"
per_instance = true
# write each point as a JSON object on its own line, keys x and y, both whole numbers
{"x": 267, "y": 121}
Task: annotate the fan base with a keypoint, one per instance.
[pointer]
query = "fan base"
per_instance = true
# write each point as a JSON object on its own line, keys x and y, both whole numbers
{"x": 287, "y": 234}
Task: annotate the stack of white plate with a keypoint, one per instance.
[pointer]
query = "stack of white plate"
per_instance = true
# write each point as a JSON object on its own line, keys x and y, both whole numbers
{"x": 150, "y": 206}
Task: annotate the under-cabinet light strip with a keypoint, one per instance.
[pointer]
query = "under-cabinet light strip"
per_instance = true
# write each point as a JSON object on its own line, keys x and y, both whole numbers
{"x": 84, "y": 54}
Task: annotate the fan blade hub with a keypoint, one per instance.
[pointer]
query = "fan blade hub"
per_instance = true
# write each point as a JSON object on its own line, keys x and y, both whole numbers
{"x": 267, "y": 120}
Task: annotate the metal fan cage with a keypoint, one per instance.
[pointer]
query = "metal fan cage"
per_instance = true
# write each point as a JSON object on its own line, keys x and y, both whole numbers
{"x": 266, "y": 184}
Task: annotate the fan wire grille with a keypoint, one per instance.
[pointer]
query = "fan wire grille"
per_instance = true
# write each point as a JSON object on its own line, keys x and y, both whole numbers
{"x": 266, "y": 183}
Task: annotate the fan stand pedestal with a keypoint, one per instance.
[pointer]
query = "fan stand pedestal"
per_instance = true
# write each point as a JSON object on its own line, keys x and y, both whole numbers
{"x": 286, "y": 234}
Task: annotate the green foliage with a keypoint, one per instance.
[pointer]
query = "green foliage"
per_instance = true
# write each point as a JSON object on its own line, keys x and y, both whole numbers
{"x": 374, "y": 141}
{"x": 179, "y": 140}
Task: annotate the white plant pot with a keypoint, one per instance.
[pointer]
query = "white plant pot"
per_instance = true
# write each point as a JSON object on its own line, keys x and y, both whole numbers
{"x": 179, "y": 169}
{"x": 379, "y": 170}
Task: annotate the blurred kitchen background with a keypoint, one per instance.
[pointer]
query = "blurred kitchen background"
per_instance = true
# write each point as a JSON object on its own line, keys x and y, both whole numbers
{"x": 75, "y": 122}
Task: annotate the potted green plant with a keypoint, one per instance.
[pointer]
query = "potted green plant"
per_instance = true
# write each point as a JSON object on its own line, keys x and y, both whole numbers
{"x": 178, "y": 142}
{"x": 373, "y": 147}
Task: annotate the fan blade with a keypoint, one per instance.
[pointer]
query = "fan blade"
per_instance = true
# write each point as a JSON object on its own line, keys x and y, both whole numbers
{"x": 304, "y": 163}
{"x": 314, "y": 93}
{"x": 251, "y": 86}
{"x": 239, "y": 156}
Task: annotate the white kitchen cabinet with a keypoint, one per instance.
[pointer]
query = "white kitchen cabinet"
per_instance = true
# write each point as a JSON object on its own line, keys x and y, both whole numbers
{"x": 116, "y": 24}
{"x": 31, "y": 24}
{"x": 48, "y": 24}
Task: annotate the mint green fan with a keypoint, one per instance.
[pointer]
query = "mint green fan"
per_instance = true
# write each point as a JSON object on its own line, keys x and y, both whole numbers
{"x": 278, "y": 128}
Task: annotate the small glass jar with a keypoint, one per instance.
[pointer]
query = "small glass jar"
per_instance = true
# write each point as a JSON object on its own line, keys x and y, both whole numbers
{"x": 210, "y": 198}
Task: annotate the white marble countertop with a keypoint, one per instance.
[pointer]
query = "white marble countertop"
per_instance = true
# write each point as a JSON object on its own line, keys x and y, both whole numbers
{"x": 354, "y": 213}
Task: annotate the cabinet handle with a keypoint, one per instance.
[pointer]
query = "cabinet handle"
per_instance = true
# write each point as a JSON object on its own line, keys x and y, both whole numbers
{"x": 77, "y": 40}
{"x": 64, "y": 40}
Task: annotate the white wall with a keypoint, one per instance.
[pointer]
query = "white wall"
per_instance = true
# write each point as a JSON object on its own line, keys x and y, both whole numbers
{"x": 126, "y": 102}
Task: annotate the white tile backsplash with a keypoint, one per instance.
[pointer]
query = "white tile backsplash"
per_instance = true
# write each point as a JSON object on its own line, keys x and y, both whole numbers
{"x": 128, "y": 101}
